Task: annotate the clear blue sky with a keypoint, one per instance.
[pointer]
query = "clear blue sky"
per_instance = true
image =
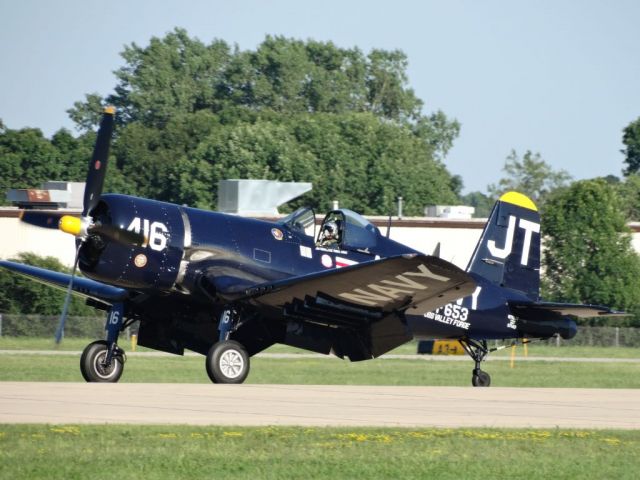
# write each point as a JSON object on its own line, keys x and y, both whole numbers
{"x": 557, "y": 77}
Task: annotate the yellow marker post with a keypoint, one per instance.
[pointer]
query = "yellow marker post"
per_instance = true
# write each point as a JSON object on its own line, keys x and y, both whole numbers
{"x": 526, "y": 348}
{"x": 512, "y": 362}
{"x": 134, "y": 341}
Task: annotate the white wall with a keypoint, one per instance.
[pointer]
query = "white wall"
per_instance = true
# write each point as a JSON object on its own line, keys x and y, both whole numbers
{"x": 17, "y": 236}
{"x": 456, "y": 244}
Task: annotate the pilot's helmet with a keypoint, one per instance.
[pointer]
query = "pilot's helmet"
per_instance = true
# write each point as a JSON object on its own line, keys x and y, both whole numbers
{"x": 330, "y": 229}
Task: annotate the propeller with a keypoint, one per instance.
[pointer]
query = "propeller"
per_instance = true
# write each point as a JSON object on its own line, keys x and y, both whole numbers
{"x": 85, "y": 226}
{"x": 65, "y": 307}
{"x": 98, "y": 162}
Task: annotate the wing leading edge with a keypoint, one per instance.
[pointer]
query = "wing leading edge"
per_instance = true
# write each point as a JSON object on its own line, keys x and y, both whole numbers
{"x": 386, "y": 285}
{"x": 84, "y": 287}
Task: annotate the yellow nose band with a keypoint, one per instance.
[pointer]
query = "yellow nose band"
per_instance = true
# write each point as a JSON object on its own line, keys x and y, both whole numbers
{"x": 69, "y": 224}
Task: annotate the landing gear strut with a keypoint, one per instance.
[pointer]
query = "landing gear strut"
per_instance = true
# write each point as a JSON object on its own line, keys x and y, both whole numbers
{"x": 478, "y": 351}
{"x": 103, "y": 360}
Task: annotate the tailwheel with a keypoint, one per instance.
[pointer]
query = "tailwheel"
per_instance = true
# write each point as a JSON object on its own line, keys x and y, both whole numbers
{"x": 96, "y": 365}
{"x": 480, "y": 378}
{"x": 478, "y": 351}
{"x": 227, "y": 362}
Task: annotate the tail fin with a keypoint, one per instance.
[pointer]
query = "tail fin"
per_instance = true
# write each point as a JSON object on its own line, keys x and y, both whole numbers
{"x": 508, "y": 252}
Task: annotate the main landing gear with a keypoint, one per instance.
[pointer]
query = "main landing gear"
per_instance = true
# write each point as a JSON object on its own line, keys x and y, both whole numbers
{"x": 103, "y": 360}
{"x": 478, "y": 351}
{"x": 94, "y": 365}
{"x": 227, "y": 360}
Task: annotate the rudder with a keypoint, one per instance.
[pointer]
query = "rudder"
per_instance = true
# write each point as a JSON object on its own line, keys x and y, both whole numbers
{"x": 508, "y": 252}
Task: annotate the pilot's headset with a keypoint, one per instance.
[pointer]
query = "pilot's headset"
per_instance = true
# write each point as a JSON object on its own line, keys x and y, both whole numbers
{"x": 331, "y": 227}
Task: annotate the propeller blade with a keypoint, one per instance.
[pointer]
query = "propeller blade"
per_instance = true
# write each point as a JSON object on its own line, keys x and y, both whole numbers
{"x": 65, "y": 307}
{"x": 118, "y": 234}
{"x": 40, "y": 219}
{"x": 98, "y": 163}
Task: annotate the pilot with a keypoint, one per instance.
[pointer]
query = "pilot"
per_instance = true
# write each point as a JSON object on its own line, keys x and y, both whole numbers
{"x": 330, "y": 235}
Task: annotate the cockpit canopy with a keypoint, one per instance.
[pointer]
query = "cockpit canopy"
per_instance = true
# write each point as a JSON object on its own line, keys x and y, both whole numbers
{"x": 354, "y": 231}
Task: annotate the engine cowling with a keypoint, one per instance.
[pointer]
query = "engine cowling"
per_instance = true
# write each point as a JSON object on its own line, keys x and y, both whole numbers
{"x": 154, "y": 264}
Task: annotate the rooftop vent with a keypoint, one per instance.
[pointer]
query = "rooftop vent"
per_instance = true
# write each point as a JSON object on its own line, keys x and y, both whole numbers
{"x": 50, "y": 195}
{"x": 257, "y": 197}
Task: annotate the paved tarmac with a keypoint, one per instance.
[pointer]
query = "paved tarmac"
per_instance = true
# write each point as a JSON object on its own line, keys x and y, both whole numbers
{"x": 327, "y": 405}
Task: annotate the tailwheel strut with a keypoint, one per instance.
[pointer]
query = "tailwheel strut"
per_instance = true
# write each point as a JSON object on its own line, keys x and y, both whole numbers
{"x": 478, "y": 351}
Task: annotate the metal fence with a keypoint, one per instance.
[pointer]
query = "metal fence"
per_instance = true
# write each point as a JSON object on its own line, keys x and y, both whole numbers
{"x": 602, "y": 337}
{"x": 45, "y": 326}
{"x": 93, "y": 327}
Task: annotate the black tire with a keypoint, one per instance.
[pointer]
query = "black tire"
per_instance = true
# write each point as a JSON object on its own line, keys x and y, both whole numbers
{"x": 481, "y": 378}
{"x": 91, "y": 364}
{"x": 227, "y": 362}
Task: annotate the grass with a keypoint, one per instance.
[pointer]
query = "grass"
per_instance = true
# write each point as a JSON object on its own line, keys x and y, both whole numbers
{"x": 331, "y": 371}
{"x": 158, "y": 452}
{"x": 534, "y": 349}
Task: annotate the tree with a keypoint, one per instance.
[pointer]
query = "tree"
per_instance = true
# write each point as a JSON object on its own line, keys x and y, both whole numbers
{"x": 629, "y": 191}
{"x": 631, "y": 140}
{"x": 481, "y": 202}
{"x": 23, "y": 295}
{"x": 531, "y": 176}
{"x": 588, "y": 256}
{"x": 193, "y": 114}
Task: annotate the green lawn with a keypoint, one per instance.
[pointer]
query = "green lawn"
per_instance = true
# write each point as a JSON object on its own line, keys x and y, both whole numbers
{"x": 332, "y": 371}
{"x": 169, "y": 452}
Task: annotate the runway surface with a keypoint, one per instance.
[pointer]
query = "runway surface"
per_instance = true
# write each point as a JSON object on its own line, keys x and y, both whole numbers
{"x": 326, "y": 405}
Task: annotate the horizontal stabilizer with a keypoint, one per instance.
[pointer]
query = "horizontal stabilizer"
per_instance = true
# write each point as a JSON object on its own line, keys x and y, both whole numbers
{"x": 84, "y": 287}
{"x": 533, "y": 309}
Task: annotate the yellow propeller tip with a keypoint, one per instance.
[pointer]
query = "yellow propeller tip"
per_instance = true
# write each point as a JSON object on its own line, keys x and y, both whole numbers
{"x": 111, "y": 110}
{"x": 69, "y": 224}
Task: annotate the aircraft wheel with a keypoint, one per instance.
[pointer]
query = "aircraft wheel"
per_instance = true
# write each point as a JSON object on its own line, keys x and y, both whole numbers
{"x": 227, "y": 362}
{"x": 91, "y": 364}
{"x": 480, "y": 378}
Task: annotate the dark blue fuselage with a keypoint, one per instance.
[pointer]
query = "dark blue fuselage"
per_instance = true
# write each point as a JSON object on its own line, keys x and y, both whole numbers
{"x": 204, "y": 255}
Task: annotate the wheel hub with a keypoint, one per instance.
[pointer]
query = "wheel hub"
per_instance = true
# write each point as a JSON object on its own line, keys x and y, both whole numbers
{"x": 231, "y": 363}
{"x": 100, "y": 368}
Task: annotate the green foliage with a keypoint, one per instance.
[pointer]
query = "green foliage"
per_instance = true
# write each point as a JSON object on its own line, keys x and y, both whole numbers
{"x": 631, "y": 140}
{"x": 629, "y": 191}
{"x": 27, "y": 158}
{"x": 23, "y": 295}
{"x": 588, "y": 256}
{"x": 194, "y": 114}
{"x": 191, "y": 114}
{"x": 481, "y": 202}
{"x": 530, "y": 175}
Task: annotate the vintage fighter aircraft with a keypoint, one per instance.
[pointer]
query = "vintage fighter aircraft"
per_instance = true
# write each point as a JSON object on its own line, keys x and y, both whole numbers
{"x": 229, "y": 287}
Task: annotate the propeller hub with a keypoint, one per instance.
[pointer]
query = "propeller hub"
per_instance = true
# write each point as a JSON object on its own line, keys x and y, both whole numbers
{"x": 75, "y": 226}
